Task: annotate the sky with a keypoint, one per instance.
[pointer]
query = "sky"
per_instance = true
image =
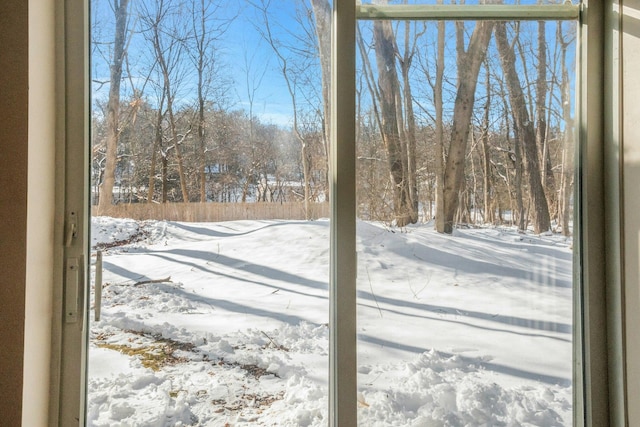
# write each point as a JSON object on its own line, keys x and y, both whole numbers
{"x": 249, "y": 60}
{"x": 249, "y": 63}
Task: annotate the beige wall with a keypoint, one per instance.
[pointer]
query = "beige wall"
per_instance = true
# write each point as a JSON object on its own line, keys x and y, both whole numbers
{"x": 40, "y": 213}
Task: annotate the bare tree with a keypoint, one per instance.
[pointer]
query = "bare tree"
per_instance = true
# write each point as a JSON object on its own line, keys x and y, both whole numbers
{"x": 439, "y": 125}
{"x": 568, "y": 153}
{"x": 486, "y": 156}
{"x": 291, "y": 81}
{"x": 525, "y": 131}
{"x": 120, "y": 10}
{"x": 166, "y": 34}
{"x": 207, "y": 30}
{"x": 253, "y": 81}
{"x": 322, "y": 14}
{"x": 406, "y": 63}
{"x": 469, "y": 63}
{"x": 513, "y": 156}
{"x": 542, "y": 131}
{"x": 390, "y": 107}
{"x": 157, "y": 147}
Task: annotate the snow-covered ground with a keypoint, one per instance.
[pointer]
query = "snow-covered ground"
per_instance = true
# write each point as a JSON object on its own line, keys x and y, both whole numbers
{"x": 225, "y": 324}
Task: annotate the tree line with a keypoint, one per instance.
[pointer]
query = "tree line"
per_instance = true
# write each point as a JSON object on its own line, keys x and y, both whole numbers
{"x": 462, "y": 122}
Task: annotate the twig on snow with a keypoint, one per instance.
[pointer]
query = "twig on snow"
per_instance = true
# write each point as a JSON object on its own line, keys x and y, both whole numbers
{"x": 275, "y": 344}
{"x": 373, "y": 293}
{"x": 144, "y": 282}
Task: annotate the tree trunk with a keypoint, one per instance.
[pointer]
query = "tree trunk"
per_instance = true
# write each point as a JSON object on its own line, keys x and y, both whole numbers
{"x": 165, "y": 173}
{"x": 176, "y": 144}
{"x": 164, "y": 63}
{"x": 514, "y": 158}
{"x": 200, "y": 42}
{"x": 410, "y": 126}
{"x": 518, "y": 181}
{"x": 113, "y": 106}
{"x": 568, "y": 149}
{"x": 282, "y": 60}
{"x": 440, "y": 161}
{"x": 322, "y": 13}
{"x": 389, "y": 96}
{"x": 547, "y": 177}
{"x": 468, "y": 68}
{"x": 486, "y": 158}
{"x": 526, "y": 132}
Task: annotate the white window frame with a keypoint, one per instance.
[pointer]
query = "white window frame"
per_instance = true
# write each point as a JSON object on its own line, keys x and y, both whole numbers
{"x": 591, "y": 401}
{"x": 69, "y": 331}
{"x": 590, "y": 337}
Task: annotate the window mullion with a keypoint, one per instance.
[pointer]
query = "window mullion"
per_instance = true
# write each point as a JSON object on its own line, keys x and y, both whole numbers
{"x": 342, "y": 343}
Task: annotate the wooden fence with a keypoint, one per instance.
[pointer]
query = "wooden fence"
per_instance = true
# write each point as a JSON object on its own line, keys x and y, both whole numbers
{"x": 214, "y": 212}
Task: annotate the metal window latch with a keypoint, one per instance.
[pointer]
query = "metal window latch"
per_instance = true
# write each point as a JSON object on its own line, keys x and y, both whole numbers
{"x": 72, "y": 228}
{"x": 72, "y": 287}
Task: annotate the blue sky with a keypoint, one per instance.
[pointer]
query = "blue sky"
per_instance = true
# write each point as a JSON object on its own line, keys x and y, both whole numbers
{"x": 249, "y": 61}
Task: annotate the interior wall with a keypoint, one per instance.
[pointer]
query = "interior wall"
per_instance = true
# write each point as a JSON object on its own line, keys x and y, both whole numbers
{"x": 27, "y": 164}
{"x": 40, "y": 213}
{"x": 631, "y": 214}
{"x": 13, "y": 203}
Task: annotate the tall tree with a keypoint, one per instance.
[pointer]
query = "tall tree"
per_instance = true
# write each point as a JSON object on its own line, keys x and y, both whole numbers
{"x": 253, "y": 79}
{"x": 469, "y": 63}
{"x": 439, "y": 125}
{"x": 291, "y": 83}
{"x": 406, "y": 62}
{"x": 322, "y": 14}
{"x": 165, "y": 32}
{"x": 391, "y": 119}
{"x": 542, "y": 140}
{"x": 120, "y": 10}
{"x": 525, "y": 131}
{"x": 485, "y": 155}
{"x": 157, "y": 146}
{"x": 568, "y": 152}
{"x": 207, "y": 29}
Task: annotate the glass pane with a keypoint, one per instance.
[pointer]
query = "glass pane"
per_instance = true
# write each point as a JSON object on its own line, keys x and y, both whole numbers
{"x": 465, "y": 182}
{"x": 211, "y": 213}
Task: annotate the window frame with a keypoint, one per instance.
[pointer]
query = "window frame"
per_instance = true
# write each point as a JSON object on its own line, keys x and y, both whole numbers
{"x": 590, "y": 312}
{"x": 69, "y": 334}
{"x": 591, "y": 382}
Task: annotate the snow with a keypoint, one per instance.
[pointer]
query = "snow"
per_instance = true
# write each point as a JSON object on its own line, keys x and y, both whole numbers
{"x": 217, "y": 324}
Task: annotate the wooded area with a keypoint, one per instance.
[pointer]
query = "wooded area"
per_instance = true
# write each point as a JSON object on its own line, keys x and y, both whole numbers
{"x": 461, "y": 122}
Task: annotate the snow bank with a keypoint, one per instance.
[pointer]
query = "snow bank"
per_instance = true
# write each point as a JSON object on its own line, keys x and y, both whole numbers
{"x": 226, "y": 324}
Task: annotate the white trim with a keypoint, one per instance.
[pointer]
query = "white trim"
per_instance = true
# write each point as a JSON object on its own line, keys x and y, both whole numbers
{"x": 490, "y": 12}
{"x": 70, "y": 340}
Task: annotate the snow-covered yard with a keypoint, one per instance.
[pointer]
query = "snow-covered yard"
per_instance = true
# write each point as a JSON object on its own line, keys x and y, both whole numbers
{"x": 217, "y": 324}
